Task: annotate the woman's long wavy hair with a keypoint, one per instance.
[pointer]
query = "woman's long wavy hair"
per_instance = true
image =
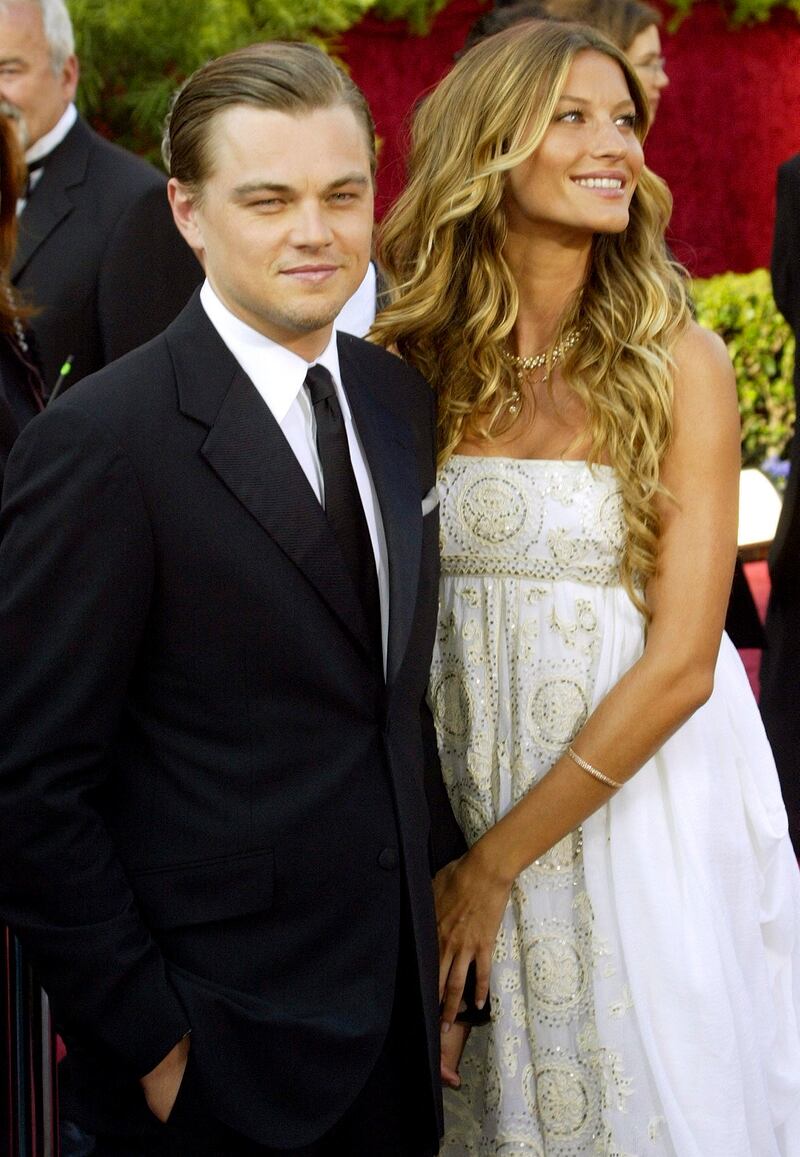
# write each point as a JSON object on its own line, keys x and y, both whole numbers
{"x": 454, "y": 301}
{"x": 12, "y": 181}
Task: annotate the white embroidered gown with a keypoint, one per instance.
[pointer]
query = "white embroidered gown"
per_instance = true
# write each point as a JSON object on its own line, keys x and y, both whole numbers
{"x": 646, "y": 980}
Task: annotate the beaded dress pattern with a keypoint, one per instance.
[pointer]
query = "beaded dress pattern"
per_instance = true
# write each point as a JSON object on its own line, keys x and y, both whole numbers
{"x": 534, "y": 629}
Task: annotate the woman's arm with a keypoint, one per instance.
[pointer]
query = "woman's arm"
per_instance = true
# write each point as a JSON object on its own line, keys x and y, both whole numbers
{"x": 673, "y": 677}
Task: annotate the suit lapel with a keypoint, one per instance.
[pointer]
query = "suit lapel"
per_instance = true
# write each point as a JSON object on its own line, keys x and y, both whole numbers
{"x": 249, "y": 453}
{"x": 50, "y": 202}
{"x": 389, "y": 448}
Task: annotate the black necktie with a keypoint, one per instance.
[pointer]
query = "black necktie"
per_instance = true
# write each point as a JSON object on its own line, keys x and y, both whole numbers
{"x": 343, "y": 507}
{"x": 33, "y": 167}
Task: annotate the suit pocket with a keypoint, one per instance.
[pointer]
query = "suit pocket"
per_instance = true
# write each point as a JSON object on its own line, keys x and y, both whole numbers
{"x": 189, "y": 1114}
{"x": 206, "y": 892}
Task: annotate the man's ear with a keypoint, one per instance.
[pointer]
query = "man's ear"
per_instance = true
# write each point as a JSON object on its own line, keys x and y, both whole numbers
{"x": 70, "y": 74}
{"x": 182, "y": 203}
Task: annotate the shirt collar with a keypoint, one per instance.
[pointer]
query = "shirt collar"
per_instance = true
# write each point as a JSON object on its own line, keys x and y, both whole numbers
{"x": 358, "y": 313}
{"x": 276, "y": 372}
{"x": 45, "y": 145}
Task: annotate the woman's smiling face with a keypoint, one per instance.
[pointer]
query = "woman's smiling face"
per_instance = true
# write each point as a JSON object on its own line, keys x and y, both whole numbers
{"x": 583, "y": 175}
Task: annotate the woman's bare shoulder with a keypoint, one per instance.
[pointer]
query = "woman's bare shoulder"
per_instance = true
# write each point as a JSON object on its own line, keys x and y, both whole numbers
{"x": 700, "y": 351}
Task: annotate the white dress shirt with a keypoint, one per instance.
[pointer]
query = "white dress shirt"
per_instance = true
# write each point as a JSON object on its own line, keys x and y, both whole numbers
{"x": 44, "y": 147}
{"x": 278, "y": 375}
{"x": 358, "y": 312}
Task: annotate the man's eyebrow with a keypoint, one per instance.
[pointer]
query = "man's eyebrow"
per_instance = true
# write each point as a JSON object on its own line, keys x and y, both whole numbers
{"x": 261, "y": 187}
{"x": 350, "y": 179}
{"x": 11, "y": 60}
{"x": 249, "y": 187}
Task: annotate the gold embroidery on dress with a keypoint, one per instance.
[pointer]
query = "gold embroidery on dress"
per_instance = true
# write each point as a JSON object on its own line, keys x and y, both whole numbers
{"x": 512, "y": 682}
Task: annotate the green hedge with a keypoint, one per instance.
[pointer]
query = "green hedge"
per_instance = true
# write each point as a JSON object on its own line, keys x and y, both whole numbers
{"x": 739, "y": 12}
{"x": 741, "y": 309}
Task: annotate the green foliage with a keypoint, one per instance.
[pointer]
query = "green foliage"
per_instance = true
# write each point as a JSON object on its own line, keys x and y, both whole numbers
{"x": 135, "y": 53}
{"x": 417, "y": 13}
{"x": 741, "y": 309}
{"x": 739, "y": 12}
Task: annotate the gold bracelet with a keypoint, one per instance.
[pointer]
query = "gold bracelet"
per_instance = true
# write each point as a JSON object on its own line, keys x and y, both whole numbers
{"x": 582, "y": 763}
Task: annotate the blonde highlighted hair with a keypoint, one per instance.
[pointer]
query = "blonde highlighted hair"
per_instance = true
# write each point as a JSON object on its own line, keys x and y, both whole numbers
{"x": 455, "y": 301}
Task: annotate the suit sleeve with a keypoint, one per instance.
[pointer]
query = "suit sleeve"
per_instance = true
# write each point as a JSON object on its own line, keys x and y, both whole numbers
{"x": 447, "y": 839}
{"x": 76, "y": 563}
{"x": 147, "y": 275}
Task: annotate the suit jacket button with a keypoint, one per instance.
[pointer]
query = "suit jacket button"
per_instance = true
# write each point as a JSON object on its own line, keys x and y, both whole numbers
{"x": 389, "y": 859}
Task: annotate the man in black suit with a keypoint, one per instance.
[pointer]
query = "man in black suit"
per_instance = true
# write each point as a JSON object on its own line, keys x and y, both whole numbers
{"x": 98, "y": 252}
{"x": 220, "y": 794}
{"x": 780, "y": 665}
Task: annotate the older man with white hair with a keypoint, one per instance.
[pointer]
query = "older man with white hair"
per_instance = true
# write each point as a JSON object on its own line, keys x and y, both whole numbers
{"x": 98, "y": 252}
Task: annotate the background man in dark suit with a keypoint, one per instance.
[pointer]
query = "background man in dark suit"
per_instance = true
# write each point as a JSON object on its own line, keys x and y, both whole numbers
{"x": 20, "y": 384}
{"x": 98, "y": 251}
{"x": 780, "y": 666}
{"x": 220, "y": 795}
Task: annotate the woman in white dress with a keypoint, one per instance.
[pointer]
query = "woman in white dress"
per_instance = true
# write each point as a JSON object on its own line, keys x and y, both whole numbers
{"x": 629, "y": 885}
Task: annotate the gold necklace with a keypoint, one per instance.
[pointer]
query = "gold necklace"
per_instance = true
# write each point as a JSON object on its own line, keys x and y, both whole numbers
{"x": 523, "y": 366}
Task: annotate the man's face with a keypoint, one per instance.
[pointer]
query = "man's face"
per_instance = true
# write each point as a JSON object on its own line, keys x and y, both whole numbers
{"x": 283, "y": 224}
{"x": 27, "y": 79}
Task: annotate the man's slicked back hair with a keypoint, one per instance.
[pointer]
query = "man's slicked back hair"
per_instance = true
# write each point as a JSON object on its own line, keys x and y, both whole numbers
{"x": 284, "y": 76}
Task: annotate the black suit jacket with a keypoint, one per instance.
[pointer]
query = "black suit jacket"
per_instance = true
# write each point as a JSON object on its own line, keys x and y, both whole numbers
{"x": 8, "y": 432}
{"x": 784, "y": 559}
{"x": 780, "y": 664}
{"x": 99, "y": 254}
{"x": 214, "y": 806}
{"x": 20, "y": 394}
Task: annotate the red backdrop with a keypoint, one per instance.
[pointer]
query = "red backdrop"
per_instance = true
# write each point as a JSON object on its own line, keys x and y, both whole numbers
{"x": 729, "y": 117}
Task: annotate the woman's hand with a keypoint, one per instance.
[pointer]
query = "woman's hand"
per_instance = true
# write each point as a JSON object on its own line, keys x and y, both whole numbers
{"x": 452, "y": 1047}
{"x": 470, "y": 900}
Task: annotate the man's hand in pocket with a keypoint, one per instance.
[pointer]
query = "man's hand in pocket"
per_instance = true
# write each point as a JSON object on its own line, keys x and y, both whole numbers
{"x": 162, "y": 1083}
